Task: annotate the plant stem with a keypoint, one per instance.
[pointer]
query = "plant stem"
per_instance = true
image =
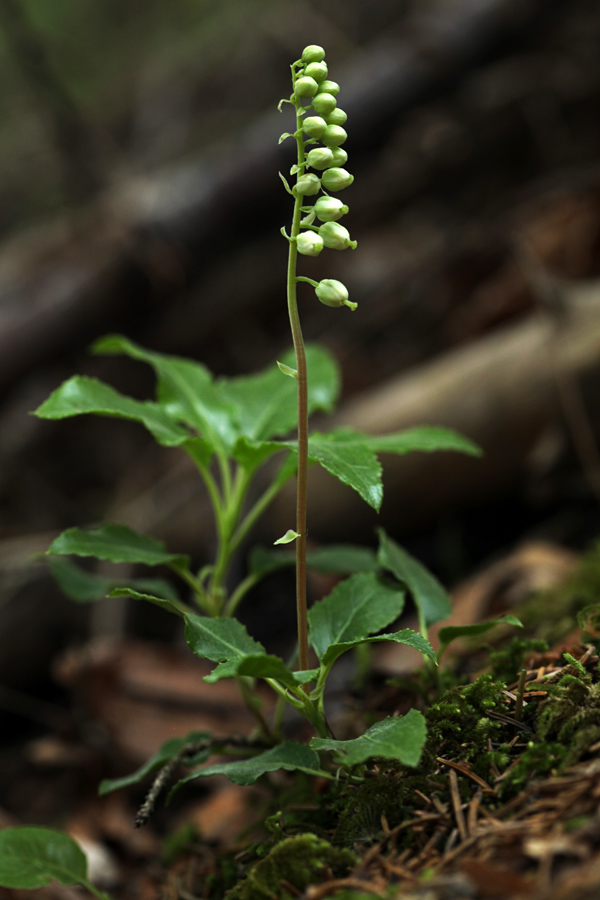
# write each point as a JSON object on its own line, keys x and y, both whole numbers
{"x": 202, "y": 598}
{"x": 304, "y": 705}
{"x": 301, "y": 483}
{"x": 227, "y": 522}
{"x": 94, "y": 891}
{"x": 254, "y": 513}
{"x": 253, "y": 704}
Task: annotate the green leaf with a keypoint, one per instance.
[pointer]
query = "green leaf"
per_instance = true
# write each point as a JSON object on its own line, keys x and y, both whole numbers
{"x": 431, "y": 599}
{"x": 167, "y": 751}
{"x": 251, "y": 454}
{"x": 33, "y": 857}
{"x": 219, "y": 639}
{"x": 261, "y": 665}
{"x": 86, "y": 587}
{"x": 80, "y": 395}
{"x": 406, "y": 636}
{"x": 284, "y": 180}
{"x": 424, "y": 439}
{"x": 356, "y": 608}
{"x": 346, "y": 455}
{"x": 452, "y": 632}
{"x": 116, "y": 543}
{"x": 168, "y": 605}
{"x": 336, "y": 559}
{"x": 342, "y": 559}
{"x": 401, "y": 739}
{"x": 186, "y": 391}
{"x": 266, "y": 403}
{"x": 199, "y": 450}
{"x": 287, "y": 370}
{"x": 288, "y": 537}
{"x": 288, "y": 755}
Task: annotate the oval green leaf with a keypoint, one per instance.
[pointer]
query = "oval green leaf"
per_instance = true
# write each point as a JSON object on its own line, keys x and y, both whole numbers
{"x": 453, "y": 632}
{"x": 33, "y": 857}
{"x": 346, "y": 455}
{"x": 81, "y": 395}
{"x": 86, "y": 587}
{"x": 219, "y": 639}
{"x": 401, "y": 739}
{"x": 266, "y": 403}
{"x": 166, "y": 752}
{"x": 115, "y": 543}
{"x": 186, "y": 391}
{"x": 424, "y": 439}
{"x": 288, "y": 755}
{"x": 431, "y": 599}
{"x": 355, "y": 609}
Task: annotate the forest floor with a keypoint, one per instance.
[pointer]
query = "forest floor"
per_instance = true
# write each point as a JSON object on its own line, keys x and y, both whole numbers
{"x": 504, "y": 803}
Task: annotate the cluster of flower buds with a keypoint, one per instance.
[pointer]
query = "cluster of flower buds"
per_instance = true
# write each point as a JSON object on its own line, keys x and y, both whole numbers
{"x": 322, "y": 125}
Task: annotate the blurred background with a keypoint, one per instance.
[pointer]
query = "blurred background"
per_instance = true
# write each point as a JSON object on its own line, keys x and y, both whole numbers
{"x": 139, "y": 193}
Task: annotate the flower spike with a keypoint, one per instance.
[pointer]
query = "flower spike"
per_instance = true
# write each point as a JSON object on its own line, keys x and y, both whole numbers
{"x": 313, "y": 93}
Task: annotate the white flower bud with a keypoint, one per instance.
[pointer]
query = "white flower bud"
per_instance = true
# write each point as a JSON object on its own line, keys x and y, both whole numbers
{"x": 320, "y": 158}
{"x": 330, "y": 209}
{"x": 309, "y": 243}
{"x": 316, "y": 70}
{"x": 307, "y": 185}
{"x": 334, "y": 135}
{"x": 314, "y": 126}
{"x": 335, "y": 236}
{"x": 329, "y": 87}
{"x": 324, "y": 104}
{"x": 333, "y": 293}
{"x": 336, "y": 116}
{"x": 305, "y": 87}
{"x": 313, "y": 53}
{"x": 340, "y": 157}
{"x": 336, "y": 179}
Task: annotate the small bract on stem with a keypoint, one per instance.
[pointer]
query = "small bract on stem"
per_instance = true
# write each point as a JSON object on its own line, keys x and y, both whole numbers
{"x": 309, "y": 82}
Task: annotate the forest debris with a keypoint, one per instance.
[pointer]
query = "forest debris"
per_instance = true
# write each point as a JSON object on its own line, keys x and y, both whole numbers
{"x": 493, "y": 851}
{"x": 465, "y": 770}
{"x": 143, "y": 693}
{"x": 224, "y": 814}
{"x": 103, "y": 870}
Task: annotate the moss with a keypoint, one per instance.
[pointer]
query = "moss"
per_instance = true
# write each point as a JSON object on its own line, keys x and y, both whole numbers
{"x": 571, "y": 716}
{"x": 568, "y": 724}
{"x": 539, "y": 759}
{"x": 389, "y": 793}
{"x": 507, "y": 663}
{"x": 362, "y": 807}
{"x": 458, "y": 725}
{"x": 298, "y": 861}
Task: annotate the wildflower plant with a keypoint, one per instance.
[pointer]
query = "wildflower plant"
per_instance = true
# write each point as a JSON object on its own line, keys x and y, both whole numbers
{"x": 230, "y": 428}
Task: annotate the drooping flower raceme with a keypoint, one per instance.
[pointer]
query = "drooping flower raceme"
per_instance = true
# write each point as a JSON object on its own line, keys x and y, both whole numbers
{"x": 319, "y": 135}
{"x": 314, "y": 98}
